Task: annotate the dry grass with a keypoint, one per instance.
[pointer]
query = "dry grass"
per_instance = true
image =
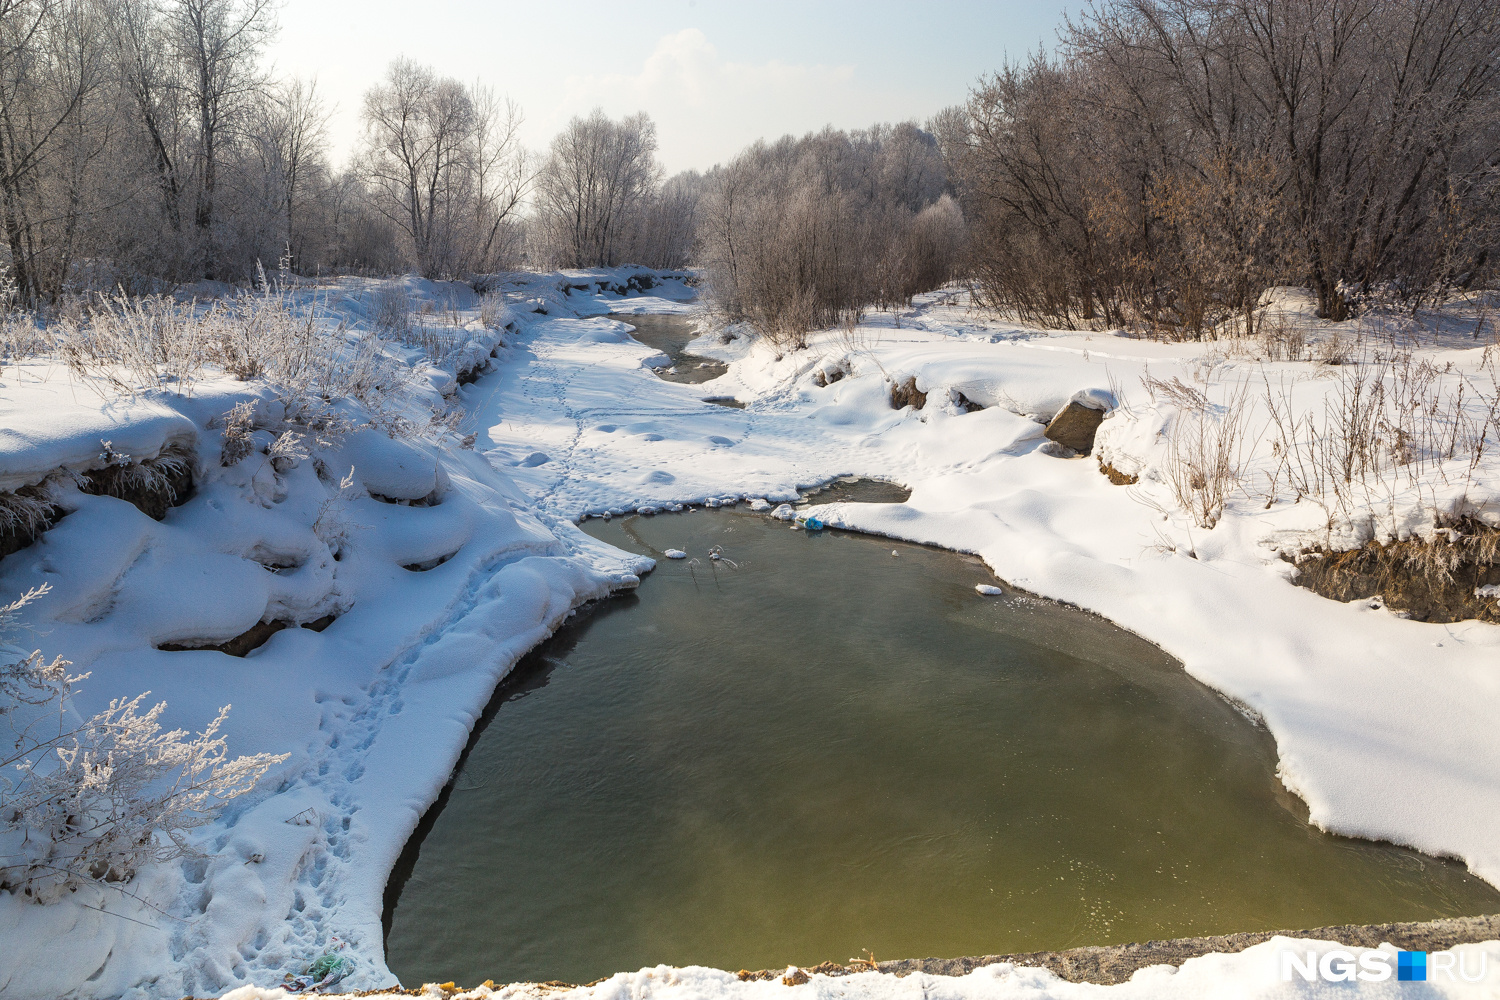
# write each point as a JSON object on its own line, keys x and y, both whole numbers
{"x": 1387, "y": 425}
{"x": 1205, "y": 462}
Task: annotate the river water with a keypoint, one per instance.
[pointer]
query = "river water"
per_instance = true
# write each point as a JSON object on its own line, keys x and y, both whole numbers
{"x": 670, "y": 335}
{"x": 826, "y": 743}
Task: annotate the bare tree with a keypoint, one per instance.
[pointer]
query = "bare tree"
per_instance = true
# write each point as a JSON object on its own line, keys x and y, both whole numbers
{"x": 418, "y": 141}
{"x": 218, "y": 43}
{"x": 804, "y": 233}
{"x": 52, "y": 67}
{"x": 502, "y": 175}
{"x": 598, "y": 174}
{"x": 1181, "y": 155}
{"x": 293, "y": 134}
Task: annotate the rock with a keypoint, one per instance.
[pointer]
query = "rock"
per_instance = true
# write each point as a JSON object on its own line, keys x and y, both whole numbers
{"x": 784, "y": 513}
{"x": 988, "y": 590}
{"x": 1074, "y": 426}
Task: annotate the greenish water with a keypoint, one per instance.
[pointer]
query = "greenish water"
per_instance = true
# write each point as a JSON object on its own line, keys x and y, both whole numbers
{"x": 831, "y": 749}
{"x": 670, "y": 335}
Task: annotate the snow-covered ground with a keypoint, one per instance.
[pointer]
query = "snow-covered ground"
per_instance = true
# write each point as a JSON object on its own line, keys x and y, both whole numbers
{"x": 1386, "y": 727}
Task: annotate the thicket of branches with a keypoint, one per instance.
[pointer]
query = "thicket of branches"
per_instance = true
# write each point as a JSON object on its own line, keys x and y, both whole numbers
{"x": 1177, "y": 157}
{"x": 144, "y": 144}
{"x": 600, "y": 200}
{"x": 801, "y": 233}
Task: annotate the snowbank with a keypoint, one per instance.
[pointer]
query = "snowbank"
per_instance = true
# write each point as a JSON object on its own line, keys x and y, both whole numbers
{"x": 1258, "y": 973}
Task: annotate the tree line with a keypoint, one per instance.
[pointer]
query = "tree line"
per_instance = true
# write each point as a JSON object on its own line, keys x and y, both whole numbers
{"x": 1175, "y": 158}
{"x": 1163, "y": 167}
{"x": 143, "y": 143}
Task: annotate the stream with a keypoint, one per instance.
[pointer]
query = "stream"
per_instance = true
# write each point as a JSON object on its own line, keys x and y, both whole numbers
{"x": 824, "y": 744}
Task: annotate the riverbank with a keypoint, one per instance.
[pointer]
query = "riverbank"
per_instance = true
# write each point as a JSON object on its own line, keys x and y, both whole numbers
{"x": 461, "y": 552}
{"x": 1240, "y": 965}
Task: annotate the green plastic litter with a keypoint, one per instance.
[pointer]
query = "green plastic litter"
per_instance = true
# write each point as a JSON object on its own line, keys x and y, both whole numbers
{"x": 329, "y": 964}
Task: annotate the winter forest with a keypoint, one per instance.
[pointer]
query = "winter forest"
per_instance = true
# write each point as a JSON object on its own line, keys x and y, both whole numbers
{"x": 1160, "y": 169}
{"x": 1095, "y": 494}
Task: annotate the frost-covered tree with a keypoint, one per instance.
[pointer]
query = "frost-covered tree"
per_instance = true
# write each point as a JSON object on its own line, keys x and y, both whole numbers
{"x": 802, "y": 233}
{"x": 445, "y": 166}
{"x": 599, "y": 176}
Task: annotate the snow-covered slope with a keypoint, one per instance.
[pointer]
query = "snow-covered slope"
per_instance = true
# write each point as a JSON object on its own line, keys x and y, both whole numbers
{"x": 432, "y": 602}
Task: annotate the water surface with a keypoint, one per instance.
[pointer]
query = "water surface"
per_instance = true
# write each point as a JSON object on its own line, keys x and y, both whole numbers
{"x": 670, "y": 335}
{"x": 831, "y": 748}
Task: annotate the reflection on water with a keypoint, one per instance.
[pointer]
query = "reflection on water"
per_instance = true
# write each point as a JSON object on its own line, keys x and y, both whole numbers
{"x": 830, "y": 748}
{"x": 670, "y": 335}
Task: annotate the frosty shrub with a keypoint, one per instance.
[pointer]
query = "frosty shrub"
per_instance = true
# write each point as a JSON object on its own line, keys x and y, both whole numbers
{"x": 26, "y": 510}
{"x": 152, "y": 342}
{"x": 1388, "y": 425}
{"x": 492, "y": 310}
{"x": 93, "y": 801}
{"x": 239, "y": 424}
{"x": 795, "y": 234}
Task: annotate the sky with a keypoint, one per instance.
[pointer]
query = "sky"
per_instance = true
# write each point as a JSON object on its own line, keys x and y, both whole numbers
{"x": 715, "y": 75}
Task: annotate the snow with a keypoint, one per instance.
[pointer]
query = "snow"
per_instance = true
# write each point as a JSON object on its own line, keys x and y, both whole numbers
{"x": 988, "y": 589}
{"x": 1253, "y": 974}
{"x": 457, "y": 561}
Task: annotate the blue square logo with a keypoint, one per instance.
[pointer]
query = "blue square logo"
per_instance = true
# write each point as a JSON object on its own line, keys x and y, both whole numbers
{"x": 1411, "y": 966}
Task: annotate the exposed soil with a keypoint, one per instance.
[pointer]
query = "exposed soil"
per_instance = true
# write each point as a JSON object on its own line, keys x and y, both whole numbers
{"x": 1112, "y": 964}
{"x": 168, "y": 483}
{"x": 1428, "y": 581}
{"x": 153, "y": 487}
{"x": 252, "y": 638}
{"x": 906, "y": 393}
{"x": 1115, "y": 476}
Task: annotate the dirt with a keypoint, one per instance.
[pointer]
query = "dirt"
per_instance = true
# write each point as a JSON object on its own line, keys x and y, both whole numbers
{"x": 170, "y": 484}
{"x": 252, "y": 638}
{"x": 1112, "y": 964}
{"x": 1115, "y": 476}
{"x": 1427, "y": 581}
{"x": 906, "y": 393}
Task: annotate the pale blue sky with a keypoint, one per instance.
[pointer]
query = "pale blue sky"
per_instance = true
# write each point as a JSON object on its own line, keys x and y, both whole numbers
{"x": 714, "y": 74}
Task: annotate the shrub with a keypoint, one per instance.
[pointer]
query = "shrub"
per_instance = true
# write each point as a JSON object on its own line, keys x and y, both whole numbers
{"x": 94, "y": 802}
